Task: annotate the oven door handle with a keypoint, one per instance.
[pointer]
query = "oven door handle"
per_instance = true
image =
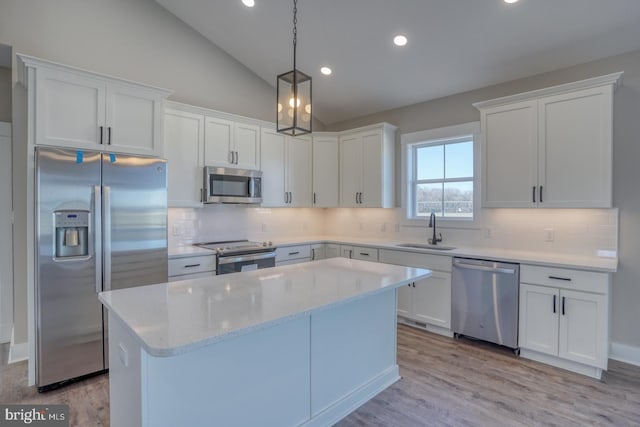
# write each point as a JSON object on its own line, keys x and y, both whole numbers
{"x": 248, "y": 257}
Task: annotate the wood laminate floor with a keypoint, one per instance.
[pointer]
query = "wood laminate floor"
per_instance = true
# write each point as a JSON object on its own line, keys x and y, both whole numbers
{"x": 445, "y": 382}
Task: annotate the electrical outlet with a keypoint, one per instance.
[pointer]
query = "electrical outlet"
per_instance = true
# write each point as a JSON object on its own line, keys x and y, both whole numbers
{"x": 383, "y": 227}
{"x": 177, "y": 230}
{"x": 549, "y": 234}
{"x": 488, "y": 232}
{"x": 397, "y": 228}
{"x": 361, "y": 226}
{"x": 264, "y": 228}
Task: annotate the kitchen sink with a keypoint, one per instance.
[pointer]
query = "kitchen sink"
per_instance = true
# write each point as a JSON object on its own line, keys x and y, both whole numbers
{"x": 425, "y": 246}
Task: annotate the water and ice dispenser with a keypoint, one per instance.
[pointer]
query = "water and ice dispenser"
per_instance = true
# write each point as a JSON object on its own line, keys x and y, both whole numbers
{"x": 72, "y": 233}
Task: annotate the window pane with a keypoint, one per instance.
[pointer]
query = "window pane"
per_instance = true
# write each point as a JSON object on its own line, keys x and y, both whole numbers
{"x": 428, "y": 199}
{"x": 459, "y": 160}
{"x": 430, "y": 162}
{"x": 458, "y": 199}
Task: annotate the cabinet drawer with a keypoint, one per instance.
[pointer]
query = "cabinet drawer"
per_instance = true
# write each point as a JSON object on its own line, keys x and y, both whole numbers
{"x": 563, "y": 278}
{"x": 293, "y": 252}
{"x": 191, "y": 276}
{"x": 192, "y": 264}
{"x": 432, "y": 262}
{"x": 367, "y": 254}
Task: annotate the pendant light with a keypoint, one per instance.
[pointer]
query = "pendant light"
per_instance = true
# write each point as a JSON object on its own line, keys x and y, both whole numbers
{"x": 294, "y": 95}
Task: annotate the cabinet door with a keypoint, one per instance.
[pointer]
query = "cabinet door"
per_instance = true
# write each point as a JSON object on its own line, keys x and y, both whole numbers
{"x": 350, "y": 170}
{"x": 325, "y": 172}
{"x": 372, "y": 185}
{"x": 299, "y": 164}
{"x": 509, "y": 158}
{"x": 346, "y": 251}
{"x": 538, "y": 323}
{"x": 318, "y": 252}
{"x": 272, "y": 160}
{"x": 575, "y": 149}
{"x": 218, "y": 139}
{"x": 365, "y": 254}
{"x": 583, "y": 334}
{"x": 183, "y": 148}
{"x": 70, "y": 110}
{"x": 246, "y": 144}
{"x": 432, "y": 300}
{"x": 332, "y": 250}
{"x": 134, "y": 118}
{"x": 405, "y": 300}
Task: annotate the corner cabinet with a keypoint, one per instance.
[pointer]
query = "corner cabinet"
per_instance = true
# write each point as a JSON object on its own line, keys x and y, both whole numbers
{"x": 427, "y": 302}
{"x": 366, "y": 167}
{"x": 85, "y": 110}
{"x": 184, "y": 149}
{"x": 564, "y": 318}
{"x": 550, "y": 148}
{"x": 286, "y": 169}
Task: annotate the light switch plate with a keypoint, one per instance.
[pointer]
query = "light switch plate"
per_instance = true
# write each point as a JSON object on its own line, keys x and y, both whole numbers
{"x": 549, "y": 234}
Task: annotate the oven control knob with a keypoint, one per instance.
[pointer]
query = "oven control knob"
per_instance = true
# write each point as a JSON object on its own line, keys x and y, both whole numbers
{"x": 270, "y": 243}
{"x": 264, "y": 243}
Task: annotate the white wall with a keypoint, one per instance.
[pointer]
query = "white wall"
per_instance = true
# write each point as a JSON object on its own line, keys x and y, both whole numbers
{"x": 214, "y": 223}
{"x": 458, "y": 109}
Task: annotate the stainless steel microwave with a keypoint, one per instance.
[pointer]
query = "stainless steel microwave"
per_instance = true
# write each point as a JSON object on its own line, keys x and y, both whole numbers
{"x": 227, "y": 185}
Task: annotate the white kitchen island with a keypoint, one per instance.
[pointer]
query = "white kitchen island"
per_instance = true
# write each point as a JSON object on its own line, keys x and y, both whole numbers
{"x": 295, "y": 345}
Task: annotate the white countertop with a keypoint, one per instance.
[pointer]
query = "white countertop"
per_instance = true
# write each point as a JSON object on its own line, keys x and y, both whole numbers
{"x": 549, "y": 259}
{"x": 187, "y": 251}
{"x": 173, "y": 318}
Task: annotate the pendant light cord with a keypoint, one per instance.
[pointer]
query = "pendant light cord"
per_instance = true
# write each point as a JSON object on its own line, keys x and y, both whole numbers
{"x": 295, "y": 30}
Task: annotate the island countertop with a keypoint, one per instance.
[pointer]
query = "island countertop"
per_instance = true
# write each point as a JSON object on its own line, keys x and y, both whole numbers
{"x": 173, "y": 318}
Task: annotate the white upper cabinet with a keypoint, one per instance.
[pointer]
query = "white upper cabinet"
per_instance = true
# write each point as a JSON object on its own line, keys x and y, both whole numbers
{"x": 231, "y": 144}
{"x": 80, "y": 109}
{"x": 326, "y": 180}
{"x": 184, "y": 147}
{"x": 286, "y": 169}
{"x": 551, "y": 147}
{"x": 366, "y": 167}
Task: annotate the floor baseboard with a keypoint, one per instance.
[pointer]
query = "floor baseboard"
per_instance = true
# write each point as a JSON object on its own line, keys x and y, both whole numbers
{"x": 625, "y": 353}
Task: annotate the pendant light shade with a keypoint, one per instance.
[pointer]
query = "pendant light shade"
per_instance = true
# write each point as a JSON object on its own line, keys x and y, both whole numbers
{"x": 293, "y": 112}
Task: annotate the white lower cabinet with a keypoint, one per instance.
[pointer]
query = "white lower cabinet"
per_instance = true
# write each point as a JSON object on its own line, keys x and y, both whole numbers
{"x": 191, "y": 267}
{"x": 318, "y": 251}
{"x": 564, "y": 318}
{"x": 425, "y": 303}
{"x": 359, "y": 252}
{"x": 332, "y": 250}
{"x": 286, "y": 255}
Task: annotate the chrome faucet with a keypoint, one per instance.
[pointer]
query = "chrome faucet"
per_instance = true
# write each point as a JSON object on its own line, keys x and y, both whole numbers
{"x": 432, "y": 224}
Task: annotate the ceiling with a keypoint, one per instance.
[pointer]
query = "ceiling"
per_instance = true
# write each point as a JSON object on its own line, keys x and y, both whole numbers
{"x": 454, "y": 45}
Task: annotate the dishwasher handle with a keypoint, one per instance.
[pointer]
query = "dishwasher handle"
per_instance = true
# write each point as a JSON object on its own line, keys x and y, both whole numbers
{"x": 485, "y": 268}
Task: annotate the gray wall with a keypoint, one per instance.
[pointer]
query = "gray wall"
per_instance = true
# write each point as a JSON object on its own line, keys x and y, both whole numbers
{"x": 5, "y": 94}
{"x": 626, "y": 158}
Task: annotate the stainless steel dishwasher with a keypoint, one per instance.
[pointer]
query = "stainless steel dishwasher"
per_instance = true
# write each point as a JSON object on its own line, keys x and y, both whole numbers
{"x": 484, "y": 300}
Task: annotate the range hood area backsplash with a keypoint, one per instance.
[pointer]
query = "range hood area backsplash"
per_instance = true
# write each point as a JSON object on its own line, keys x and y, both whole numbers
{"x": 576, "y": 231}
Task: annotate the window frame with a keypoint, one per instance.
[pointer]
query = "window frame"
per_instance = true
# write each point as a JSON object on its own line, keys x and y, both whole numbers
{"x": 446, "y": 135}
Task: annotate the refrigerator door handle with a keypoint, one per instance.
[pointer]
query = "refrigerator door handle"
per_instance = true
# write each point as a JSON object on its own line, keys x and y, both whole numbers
{"x": 97, "y": 238}
{"x": 106, "y": 230}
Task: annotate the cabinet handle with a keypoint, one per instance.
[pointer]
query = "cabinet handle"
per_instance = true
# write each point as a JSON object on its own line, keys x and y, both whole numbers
{"x": 230, "y": 156}
{"x": 563, "y": 299}
{"x": 191, "y": 265}
{"x": 541, "y": 201}
{"x": 554, "y": 304}
{"x": 101, "y": 134}
{"x": 294, "y": 253}
{"x": 364, "y": 254}
{"x": 313, "y": 254}
{"x": 109, "y": 133}
{"x": 237, "y": 157}
{"x": 565, "y": 279}
{"x": 314, "y": 198}
{"x": 534, "y": 194}
{"x": 350, "y": 254}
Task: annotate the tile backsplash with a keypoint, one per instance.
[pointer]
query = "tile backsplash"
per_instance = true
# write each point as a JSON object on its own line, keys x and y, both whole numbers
{"x": 577, "y": 231}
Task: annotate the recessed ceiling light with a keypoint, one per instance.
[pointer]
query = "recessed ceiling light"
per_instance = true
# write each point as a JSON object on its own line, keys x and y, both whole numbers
{"x": 400, "y": 40}
{"x": 326, "y": 71}
{"x": 510, "y": 1}
{"x": 249, "y": 3}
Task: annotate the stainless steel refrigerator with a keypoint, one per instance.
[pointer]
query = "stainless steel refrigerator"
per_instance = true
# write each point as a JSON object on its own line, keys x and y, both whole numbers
{"x": 101, "y": 225}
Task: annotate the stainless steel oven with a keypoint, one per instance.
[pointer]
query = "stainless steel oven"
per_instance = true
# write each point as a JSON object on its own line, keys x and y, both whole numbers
{"x": 241, "y": 255}
{"x": 246, "y": 262}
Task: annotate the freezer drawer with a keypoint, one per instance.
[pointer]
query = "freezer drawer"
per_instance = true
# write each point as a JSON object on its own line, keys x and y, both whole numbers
{"x": 484, "y": 300}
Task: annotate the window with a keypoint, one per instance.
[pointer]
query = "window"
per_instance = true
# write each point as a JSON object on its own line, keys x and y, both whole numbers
{"x": 440, "y": 167}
